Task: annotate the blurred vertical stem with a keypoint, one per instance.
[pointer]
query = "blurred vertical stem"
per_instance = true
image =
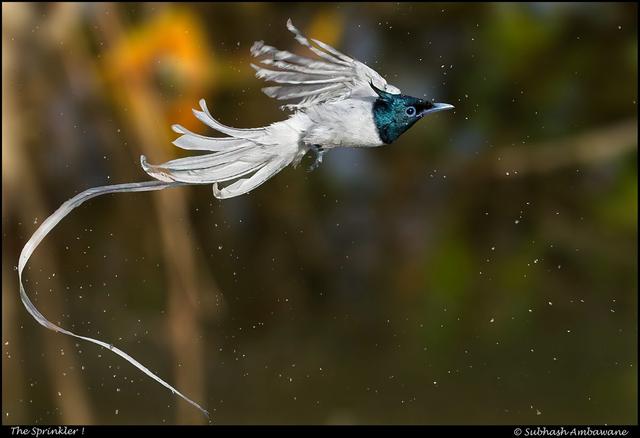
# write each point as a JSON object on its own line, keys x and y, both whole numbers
{"x": 147, "y": 121}
{"x": 12, "y": 378}
{"x": 12, "y": 375}
{"x": 23, "y": 192}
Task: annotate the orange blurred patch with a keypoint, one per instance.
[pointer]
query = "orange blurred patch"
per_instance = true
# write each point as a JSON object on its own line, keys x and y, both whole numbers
{"x": 168, "y": 56}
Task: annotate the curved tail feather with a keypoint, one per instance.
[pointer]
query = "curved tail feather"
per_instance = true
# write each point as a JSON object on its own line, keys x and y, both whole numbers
{"x": 46, "y": 226}
{"x": 250, "y": 156}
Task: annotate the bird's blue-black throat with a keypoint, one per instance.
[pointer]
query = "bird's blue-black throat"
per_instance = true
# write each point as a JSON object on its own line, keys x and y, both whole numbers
{"x": 393, "y": 114}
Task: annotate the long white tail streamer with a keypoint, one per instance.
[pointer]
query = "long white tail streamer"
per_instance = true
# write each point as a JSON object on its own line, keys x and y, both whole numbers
{"x": 48, "y": 225}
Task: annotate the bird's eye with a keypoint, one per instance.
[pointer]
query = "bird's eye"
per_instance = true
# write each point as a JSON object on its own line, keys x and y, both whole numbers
{"x": 411, "y": 111}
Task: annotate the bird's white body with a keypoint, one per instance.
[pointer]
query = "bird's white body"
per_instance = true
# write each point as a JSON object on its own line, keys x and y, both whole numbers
{"x": 346, "y": 123}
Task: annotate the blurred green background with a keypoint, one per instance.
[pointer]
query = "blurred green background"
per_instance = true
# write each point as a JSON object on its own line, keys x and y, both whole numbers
{"x": 482, "y": 269}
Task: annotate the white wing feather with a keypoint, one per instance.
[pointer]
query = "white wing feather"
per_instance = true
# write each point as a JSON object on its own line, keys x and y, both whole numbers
{"x": 333, "y": 77}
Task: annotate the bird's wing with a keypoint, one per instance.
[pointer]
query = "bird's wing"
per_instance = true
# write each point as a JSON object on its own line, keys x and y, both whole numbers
{"x": 333, "y": 77}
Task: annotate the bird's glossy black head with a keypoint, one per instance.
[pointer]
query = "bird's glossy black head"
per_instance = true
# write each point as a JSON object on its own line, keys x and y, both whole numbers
{"x": 393, "y": 114}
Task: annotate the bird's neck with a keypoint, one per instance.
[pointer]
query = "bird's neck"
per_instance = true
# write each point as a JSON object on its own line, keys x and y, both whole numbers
{"x": 384, "y": 119}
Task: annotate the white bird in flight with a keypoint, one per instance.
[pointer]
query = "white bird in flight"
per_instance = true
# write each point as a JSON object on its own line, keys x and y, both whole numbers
{"x": 341, "y": 103}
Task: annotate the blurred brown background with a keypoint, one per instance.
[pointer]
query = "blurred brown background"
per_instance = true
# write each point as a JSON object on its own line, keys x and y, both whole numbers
{"x": 483, "y": 269}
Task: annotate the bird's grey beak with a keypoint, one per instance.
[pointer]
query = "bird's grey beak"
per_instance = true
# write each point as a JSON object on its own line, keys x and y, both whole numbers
{"x": 437, "y": 107}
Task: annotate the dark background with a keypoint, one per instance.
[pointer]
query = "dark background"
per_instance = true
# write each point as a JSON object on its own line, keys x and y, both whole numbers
{"x": 482, "y": 269}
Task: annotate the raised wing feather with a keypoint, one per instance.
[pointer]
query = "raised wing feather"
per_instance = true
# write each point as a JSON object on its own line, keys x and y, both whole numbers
{"x": 333, "y": 77}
